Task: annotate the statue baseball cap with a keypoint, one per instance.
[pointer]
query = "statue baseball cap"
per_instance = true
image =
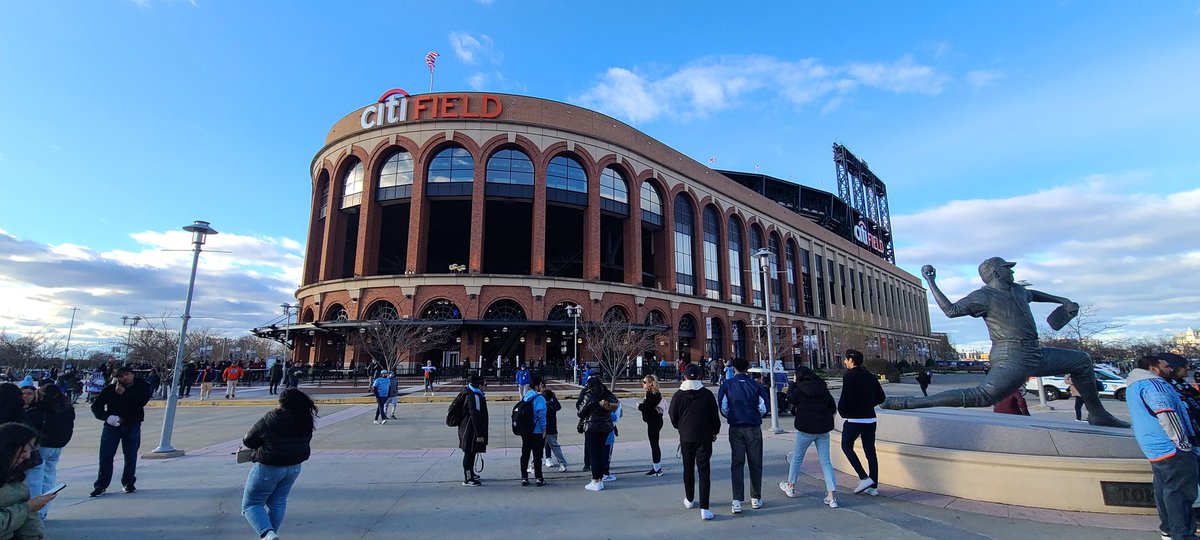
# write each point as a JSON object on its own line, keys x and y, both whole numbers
{"x": 990, "y": 265}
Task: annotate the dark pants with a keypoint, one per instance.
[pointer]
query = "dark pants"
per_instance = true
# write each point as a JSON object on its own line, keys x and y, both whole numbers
{"x": 924, "y": 389}
{"x": 379, "y": 402}
{"x": 597, "y": 453}
{"x": 531, "y": 447}
{"x": 129, "y": 436}
{"x": 274, "y": 389}
{"x": 852, "y": 431}
{"x": 653, "y": 428}
{"x": 1174, "y": 493}
{"x": 469, "y": 464}
{"x": 746, "y": 444}
{"x": 1079, "y": 407}
{"x": 185, "y": 386}
{"x": 696, "y": 457}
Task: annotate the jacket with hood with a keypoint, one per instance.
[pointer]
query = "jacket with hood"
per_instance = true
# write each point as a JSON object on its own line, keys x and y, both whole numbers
{"x": 280, "y": 438}
{"x": 475, "y": 421}
{"x": 649, "y": 408}
{"x": 16, "y": 520}
{"x": 539, "y": 410}
{"x": 861, "y": 392}
{"x": 57, "y": 424}
{"x": 694, "y": 413}
{"x": 743, "y": 400}
{"x": 597, "y": 416}
{"x": 1160, "y": 420}
{"x": 812, "y": 405}
{"x": 552, "y": 408}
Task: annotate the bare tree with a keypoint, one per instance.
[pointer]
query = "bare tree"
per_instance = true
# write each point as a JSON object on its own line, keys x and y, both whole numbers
{"x": 615, "y": 343}
{"x": 391, "y": 340}
{"x": 29, "y": 351}
{"x": 783, "y": 343}
{"x": 854, "y": 332}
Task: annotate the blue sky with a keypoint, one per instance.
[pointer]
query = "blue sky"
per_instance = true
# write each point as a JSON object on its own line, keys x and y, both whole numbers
{"x": 124, "y": 120}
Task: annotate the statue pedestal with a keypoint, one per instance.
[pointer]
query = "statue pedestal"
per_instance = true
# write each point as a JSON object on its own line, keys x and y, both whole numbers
{"x": 1008, "y": 459}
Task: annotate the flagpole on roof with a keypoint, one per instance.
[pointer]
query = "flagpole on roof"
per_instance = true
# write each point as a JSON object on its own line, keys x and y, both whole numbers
{"x": 430, "y": 59}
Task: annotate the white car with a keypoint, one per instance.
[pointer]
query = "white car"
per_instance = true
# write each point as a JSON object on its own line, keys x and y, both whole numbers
{"x": 1114, "y": 385}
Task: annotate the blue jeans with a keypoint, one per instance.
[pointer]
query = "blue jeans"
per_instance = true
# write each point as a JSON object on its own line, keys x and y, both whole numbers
{"x": 265, "y": 498}
{"x": 1174, "y": 492}
{"x": 803, "y": 440}
{"x": 129, "y": 436}
{"x": 41, "y": 478}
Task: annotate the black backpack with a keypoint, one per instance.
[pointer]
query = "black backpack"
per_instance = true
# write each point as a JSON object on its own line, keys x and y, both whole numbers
{"x": 522, "y": 418}
{"x": 457, "y": 411}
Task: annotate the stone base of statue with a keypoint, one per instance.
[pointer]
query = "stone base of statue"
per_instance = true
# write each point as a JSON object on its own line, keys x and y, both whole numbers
{"x": 1018, "y": 460}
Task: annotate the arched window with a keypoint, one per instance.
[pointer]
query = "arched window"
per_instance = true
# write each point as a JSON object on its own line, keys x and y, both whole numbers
{"x": 655, "y": 318}
{"x": 685, "y": 228}
{"x": 716, "y": 339}
{"x": 396, "y": 177}
{"x": 308, "y": 315}
{"x": 336, "y": 313}
{"x": 510, "y": 166}
{"x": 613, "y": 188}
{"x": 737, "y": 292}
{"x": 352, "y": 185}
{"x": 776, "y": 290}
{"x": 560, "y": 312}
{"x": 738, "y": 332}
{"x": 382, "y": 310}
{"x": 712, "y": 237}
{"x": 441, "y": 310}
{"x": 652, "y": 208}
{"x": 453, "y": 164}
{"x": 566, "y": 174}
{"x": 323, "y": 208}
{"x": 504, "y": 310}
{"x": 616, "y": 313}
{"x": 756, "y": 243}
{"x": 793, "y": 295}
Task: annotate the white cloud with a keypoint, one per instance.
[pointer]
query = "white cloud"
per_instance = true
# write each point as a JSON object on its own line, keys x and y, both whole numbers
{"x": 474, "y": 50}
{"x": 1132, "y": 254}
{"x": 982, "y": 78}
{"x": 717, "y": 83}
{"x": 478, "y": 81}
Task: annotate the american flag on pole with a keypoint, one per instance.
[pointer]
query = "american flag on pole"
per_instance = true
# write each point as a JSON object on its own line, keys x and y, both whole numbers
{"x": 712, "y": 160}
{"x": 430, "y": 59}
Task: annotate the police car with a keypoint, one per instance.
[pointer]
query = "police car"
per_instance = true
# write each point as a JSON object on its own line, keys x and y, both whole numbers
{"x": 1056, "y": 388}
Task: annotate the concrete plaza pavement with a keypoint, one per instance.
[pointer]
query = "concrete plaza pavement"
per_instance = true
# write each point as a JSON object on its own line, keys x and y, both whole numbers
{"x": 403, "y": 479}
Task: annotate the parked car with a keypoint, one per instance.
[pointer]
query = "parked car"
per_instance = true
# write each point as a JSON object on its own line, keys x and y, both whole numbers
{"x": 1114, "y": 385}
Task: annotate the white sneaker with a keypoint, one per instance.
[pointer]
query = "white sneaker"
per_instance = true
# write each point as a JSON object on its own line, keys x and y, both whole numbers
{"x": 756, "y": 503}
{"x": 737, "y": 507}
{"x": 788, "y": 489}
{"x": 271, "y": 536}
{"x": 382, "y": 422}
{"x": 548, "y": 463}
{"x": 832, "y": 502}
{"x": 705, "y": 514}
{"x": 873, "y": 492}
{"x": 562, "y": 468}
{"x": 376, "y": 422}
{"x": 688, "y": 504}
{"x": 608, "y": 478}
{"x": 863, "y": 485}
{"x": 594, "y": 486}
{"x": 529, "y": 469}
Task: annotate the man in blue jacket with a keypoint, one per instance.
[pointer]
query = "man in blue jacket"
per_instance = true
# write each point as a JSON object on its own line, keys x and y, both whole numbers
{"x": 1163, "y": 430}
{"x": 532, "y": 444}
{"x": 743, "y": 403}
{"x": 522, "y": 380}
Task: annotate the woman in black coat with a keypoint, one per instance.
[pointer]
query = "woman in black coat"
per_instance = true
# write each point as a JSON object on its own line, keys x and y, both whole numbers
{"x": 595, "y": 406}
{"x": 281, "y": 442}
{"x": 652, "y": 415}
{"x": 473, "y": 429}
{"x": 814, "y": 408}
{"x": 56, "y": 417}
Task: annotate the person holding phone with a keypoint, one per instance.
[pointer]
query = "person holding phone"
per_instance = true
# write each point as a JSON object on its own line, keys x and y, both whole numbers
{"x": 17, "y": 442}
{"x": 122, "y": 408}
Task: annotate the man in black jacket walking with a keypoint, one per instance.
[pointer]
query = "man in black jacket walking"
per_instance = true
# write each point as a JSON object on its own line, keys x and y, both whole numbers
{"x": 122, "y": 407}
{"x": 694, "y": 413}
{"x": 861, "y": 392}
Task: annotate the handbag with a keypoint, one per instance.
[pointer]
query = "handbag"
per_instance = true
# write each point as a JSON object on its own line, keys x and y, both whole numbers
{"x": 580, "y": 427}
{"x": 244, "y": 455}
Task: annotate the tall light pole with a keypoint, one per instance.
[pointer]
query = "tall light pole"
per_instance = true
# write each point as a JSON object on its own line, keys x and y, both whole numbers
{"x": 130, "y": 322}
{"x": 287, "y": 312}
{"x": 575, "y": 311}
{"x": 67, "y": 351}
{"x": 764, "y": 264}
{"x": 199, "y": 230}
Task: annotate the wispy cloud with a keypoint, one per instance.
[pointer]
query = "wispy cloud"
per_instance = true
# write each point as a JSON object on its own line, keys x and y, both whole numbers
{"x": 715, "y": 83}
{"x": 1094, "y": 242}
{"x": 982, "y": 78}
{"x": 473, "y": 50}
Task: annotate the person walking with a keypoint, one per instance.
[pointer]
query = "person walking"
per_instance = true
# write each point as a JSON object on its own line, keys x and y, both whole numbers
{"x": 924, "y": 377}
{"x": 56, "y": 424}
{"x": 276, "y": 377}
{"x": 155, "y": 381}
{"x": 186, "y": 379}
{"x": 522, "y": 379}
{"x": 595, "y": 406}
{"x": 393, "y": 397}
{"x": 473, "y": 429}
{"x": 861, "y": 392}
{"x": 743, "y": 402}
{"x": 18, "y": 509}
{"x": 206, "y": 378}
{"x": 1075, "y": 394}
{"x": 533, "y": 443}
{"x": 695, "y": 415}
{"x": 380, "y": 388}
{"x": 1163, "y": 430}
{"x": 813, "y": 407}
{"x": 232, "y": 375}
{"x": 652, "y": 414}
{"x": 552, "y": 446}
{"x": 122, "y": 408}
{"x": 427, "y": 372}
{"x": 280, "y": 442}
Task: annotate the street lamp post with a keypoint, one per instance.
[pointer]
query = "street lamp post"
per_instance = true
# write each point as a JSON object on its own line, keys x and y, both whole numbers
{"x": 70, "y": 329}
{"x": 199, "y": 230}
{"x": 287, "y": 312}
{"x": 764, "y": 265}
{"x": 130, "y": 322}
{"x": 575, "y": 312}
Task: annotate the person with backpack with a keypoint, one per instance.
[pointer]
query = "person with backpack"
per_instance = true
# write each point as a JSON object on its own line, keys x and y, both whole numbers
{"x": 652, "y": 414}
{"x": 380, "y": 389}
{"x": 595, "y": 406}
{"x": 529, "y": 422}
{"x": 469, "y": 414}
{"x": 695, "y": 415}
{"x": 813, "y": 406}
{"x": 552, "y": 408}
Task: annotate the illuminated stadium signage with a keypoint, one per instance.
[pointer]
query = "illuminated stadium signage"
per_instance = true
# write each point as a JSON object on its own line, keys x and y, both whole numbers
{"x": 392, "y": 108}
{"x": 864, "y": 237}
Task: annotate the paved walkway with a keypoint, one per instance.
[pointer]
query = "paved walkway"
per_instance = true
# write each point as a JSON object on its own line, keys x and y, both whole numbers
{"x": 403, "y": 480}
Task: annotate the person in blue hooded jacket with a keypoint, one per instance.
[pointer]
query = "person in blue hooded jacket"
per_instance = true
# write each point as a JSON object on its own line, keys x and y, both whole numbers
{"x": 742, "y": 402}
{"x": 522, "y": 381}
{"x": 532, "y": 444}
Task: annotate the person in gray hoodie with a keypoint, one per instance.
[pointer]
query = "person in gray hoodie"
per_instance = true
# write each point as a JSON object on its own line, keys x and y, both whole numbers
{"x": 694, "y": 414}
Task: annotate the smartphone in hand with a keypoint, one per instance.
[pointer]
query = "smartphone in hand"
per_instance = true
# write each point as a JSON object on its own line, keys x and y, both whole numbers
{"x": 57, "y": 488}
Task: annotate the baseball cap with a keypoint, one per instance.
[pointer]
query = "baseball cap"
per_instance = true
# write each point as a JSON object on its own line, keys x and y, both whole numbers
{"x": 991, "y": 264}
{"x": 692, "y": 372}
{"x": 1174, "y": 361}
{"x": 385, "y": 372}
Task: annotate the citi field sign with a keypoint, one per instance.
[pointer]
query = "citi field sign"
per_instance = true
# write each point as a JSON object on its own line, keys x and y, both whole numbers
{"x": 393, "y": 108}
{"x": 864, "y": 237}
